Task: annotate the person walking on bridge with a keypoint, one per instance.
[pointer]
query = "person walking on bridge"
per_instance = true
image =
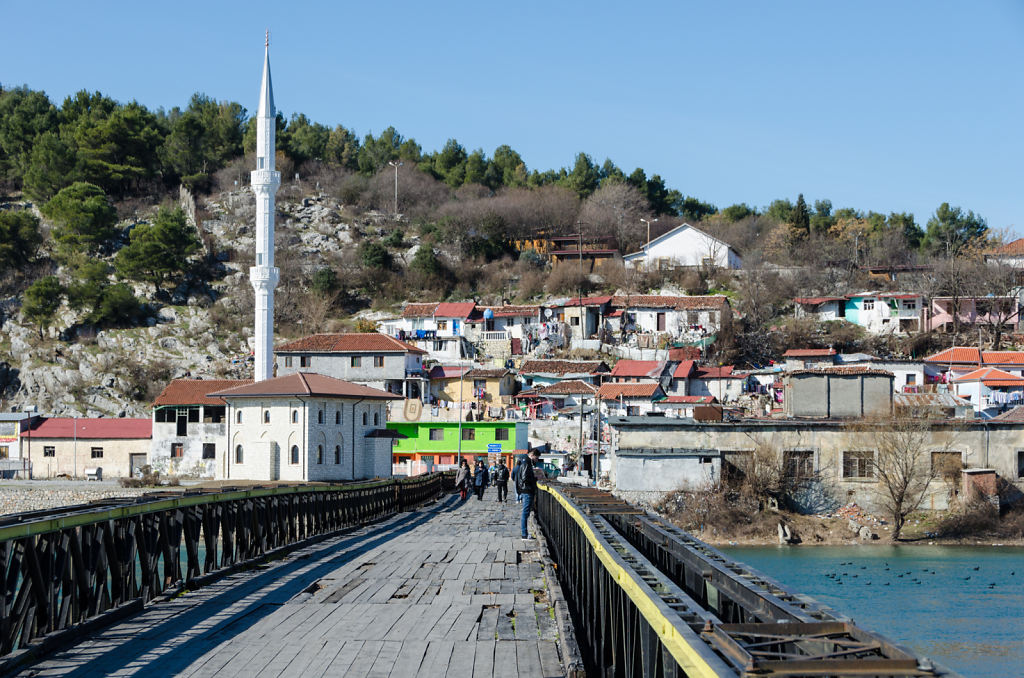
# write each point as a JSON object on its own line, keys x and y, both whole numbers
{"x": 526, "y": 485}
{"x": 480, "y": 479}
{"x": 501, "y": 474}
{"x": 462, "y": 479}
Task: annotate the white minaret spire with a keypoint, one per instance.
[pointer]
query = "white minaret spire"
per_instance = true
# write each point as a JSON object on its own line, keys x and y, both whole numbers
{"x": 265, "y": 181}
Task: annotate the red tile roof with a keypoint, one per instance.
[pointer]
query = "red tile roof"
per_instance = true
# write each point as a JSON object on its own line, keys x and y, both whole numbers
{"x": 563, "y": 367}
{"x": 194, "y": 391}
{"x": 370, "y": 342}
{"x": 615, "y": 391}
{"x": 638, "y": 368}
{"x": 688, "y": 399}
{"x": 419, "y": 310}
{"x": 461, "y": 310}
{"x": 485, "y": 373}
{"x": 588, "y": 301}
{"x": 844, "y": 371}
{"x": 991, "y": 376}
{"x": 816, "y": 301}
{"x": 1014, "y": 415}
{"x": 567, "y": 387}
{"x": 674, "y": 302}
{"x": 1002, "y": 357}
{"x": 809, "y": 352}
{"x": 683, "y": 370}
{"x": 957, "y": 354}
{"x": 447, "y": 371}
{"x": 307, "y": 384}
{"x": 91, "y": 429}
{"x": 1011, "y": 248}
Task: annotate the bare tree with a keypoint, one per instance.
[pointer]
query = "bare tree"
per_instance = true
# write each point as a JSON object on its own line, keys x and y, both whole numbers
{"x": 615, "y": 209}
{"x": 903, "y": 449}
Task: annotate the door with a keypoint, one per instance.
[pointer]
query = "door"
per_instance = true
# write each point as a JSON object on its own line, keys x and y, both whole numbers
{"x": 661, "y": 322}
{"x": 135, "y": 463}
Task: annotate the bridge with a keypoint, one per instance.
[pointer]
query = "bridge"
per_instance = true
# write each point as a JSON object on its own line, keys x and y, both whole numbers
{"x": 400, "y": 578}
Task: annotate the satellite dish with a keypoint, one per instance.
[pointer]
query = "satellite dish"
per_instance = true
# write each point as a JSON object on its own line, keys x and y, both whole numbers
{"x": 548, "y": 313}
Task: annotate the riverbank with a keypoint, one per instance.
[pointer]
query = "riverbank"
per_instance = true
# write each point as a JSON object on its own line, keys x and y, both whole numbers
{"x": 18, "y": 496}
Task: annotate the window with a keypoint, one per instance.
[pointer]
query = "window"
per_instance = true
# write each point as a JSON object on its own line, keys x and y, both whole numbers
{"x": 438, "y": 434}
{"x": 266, "y": 416}
{"x": 177, "y": 450}
{"x": 182, "y": 423}
{"x": 295, "y": 454}
{"x": 364, "y": 418}
{"x": 438, "y": 346}
{"x": 357, "y": 361}
{"x": 858, "y": 464}
{"x": 238, "y": 454}
{"x": 442, "y": 324}
{"x": 574, "y": 321}
{"x": 287, "y": 361}
{"x": 209, "y": 451}
{"x": 378, "y": 361}
{"x": 1020, "y": 463}
{"x": 869, "y": 304}
{"x": 798, "y": 463}
{"x": 193, "y": 415}
{"x": 305, "y": 361}
{"x": 337, "y": 416}
{"x": 469, "y": 434}
{"x": 213, "y": 414}
{"x": 295, "y": 416}
{"x": 96, "y": 453}
{"x": 501, "y": 434}
{"x": 376, "y": 418}
{"x": 238, "y": 417}
{"x": 320, "y": 417}
{"x": 632, "y": 410}
{"x": 479, "y": 384}
{"x": 5, "y": 451}
{"x": 260, "y": 162}
{"x": 337, "y": 454}
{"x": 911, "y": 379}
{"x": 319, "y": 454}
{"x": 910, "y": 305}
{"x": 49, "y": 451}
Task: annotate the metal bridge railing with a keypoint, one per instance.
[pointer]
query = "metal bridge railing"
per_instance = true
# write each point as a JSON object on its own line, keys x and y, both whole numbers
{"x": 62, "y": 568}
{"x": 651, "y": 600}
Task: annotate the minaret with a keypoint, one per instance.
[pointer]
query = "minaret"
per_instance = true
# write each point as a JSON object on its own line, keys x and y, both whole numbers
{"x": 265, "y": 181}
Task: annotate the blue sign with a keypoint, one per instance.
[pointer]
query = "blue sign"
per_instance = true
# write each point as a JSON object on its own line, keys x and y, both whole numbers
{"x": 493, "y": 448}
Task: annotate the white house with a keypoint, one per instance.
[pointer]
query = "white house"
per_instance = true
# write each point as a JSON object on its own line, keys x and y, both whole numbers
{"x": 990, "y": 390}
{"x": 685, "y": 245}
{"x": 629, "y": 400}
{"x": 305, "y": 427}
{"x": 675, "y": 315}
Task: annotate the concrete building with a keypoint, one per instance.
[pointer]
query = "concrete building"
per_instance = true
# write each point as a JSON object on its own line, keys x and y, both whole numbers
{"x": 832, "y": 461}
{"x": 805, "y": 358}
{"x": 957, "y": 361}
{"x": 838, "y": 392}
{"x": 78, "y": 446}
{"x": 723, "y": 383}
{"x": 822, "y": 309}
{"x": 990, "y": 390}
{"x": 629, "y": 399}
{"x": 535, "y": 373}
{"x": 438, "y": 443}
{"x": 13, "y": 462}
{"x": 370, "y": 359}
{"x": 190, "y": 427}
{"x": 886, "y": 312}
{"x": 992, "y": 312}
{"x": 685, "y": 246}
{"x": 305, "y": 427}
{"x": 569, "y": 395}
{"x": 909, "y": 376}
{"x": 677, "y": 316}
{"x": 488, "y": 391}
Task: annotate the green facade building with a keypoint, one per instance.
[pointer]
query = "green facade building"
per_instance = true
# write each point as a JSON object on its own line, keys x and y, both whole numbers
{"x": 438, "y": 441}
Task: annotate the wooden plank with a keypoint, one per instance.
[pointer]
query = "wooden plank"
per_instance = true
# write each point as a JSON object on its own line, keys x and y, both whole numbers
{"x": 436, "y": 659}
{"x": 385, "y": 660}
{"x": 527, "y": 658}
{"x": 409, "y": 659}
{"x": 506, "y": 623}
{"x": 505, "y": 663}
{"x": 526, "y": 622}
{"x": 488, "y": 629}
{"x": 550, "y": 664}
{"x": 483, "y": 659}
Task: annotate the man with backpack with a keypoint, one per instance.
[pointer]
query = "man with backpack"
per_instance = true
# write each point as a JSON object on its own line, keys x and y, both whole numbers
{"x": 526, "y": 485}
{"x": 501, "y": 475}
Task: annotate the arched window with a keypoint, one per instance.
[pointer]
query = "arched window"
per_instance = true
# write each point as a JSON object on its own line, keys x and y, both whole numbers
{"x": 295, "y": 454}
{"x": 238, "y": 452}
{"x": 319, "y": 454}
{"x": 337, "y": 454}
{"x": 320, "y": 417}
{"x": 364, "y": 418}
{"x": 376, "y": 418}
{"x": 337, "y": 416}
{"x": 266, "y": 416}
{"x": 238, "y": 417}
{"x": 295, "y": 416}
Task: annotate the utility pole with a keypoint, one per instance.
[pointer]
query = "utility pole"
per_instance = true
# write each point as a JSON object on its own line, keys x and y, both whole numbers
{"x": 396, "y": 165}
{"x": 462, "y": 374}
{"x": 648, "y": 245}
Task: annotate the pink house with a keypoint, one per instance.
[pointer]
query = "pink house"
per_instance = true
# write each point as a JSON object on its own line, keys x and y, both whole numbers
{"x": 992, "y": 311}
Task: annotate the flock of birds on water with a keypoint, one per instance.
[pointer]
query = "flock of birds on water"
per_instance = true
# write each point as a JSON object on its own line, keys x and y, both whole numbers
{"x": 909, "y": 575}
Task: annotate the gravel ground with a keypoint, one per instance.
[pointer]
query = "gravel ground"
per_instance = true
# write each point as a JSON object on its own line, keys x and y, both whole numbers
{"x": 17, "y": 496}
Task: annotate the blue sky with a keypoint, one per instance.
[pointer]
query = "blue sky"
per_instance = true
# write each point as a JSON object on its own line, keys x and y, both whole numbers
{"x": 890, "y": 106}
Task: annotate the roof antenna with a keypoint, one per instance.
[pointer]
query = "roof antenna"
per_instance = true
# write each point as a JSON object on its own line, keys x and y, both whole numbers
{"x": 267, "y": 42}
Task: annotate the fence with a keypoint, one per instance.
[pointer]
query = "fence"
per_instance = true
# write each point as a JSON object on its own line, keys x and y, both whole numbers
{"x": 67, "y": 568}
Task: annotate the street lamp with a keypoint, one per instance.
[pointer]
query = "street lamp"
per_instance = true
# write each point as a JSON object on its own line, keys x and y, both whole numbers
{"x": 648, "y": 222}
{"x": 396, "y": 165}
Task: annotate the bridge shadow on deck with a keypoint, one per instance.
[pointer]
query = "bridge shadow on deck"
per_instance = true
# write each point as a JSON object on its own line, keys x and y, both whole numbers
{"x": 162, "y": 650}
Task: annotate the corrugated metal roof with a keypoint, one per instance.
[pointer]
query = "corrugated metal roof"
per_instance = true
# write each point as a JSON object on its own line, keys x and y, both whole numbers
{"x": 91, "y": 429}
{"x": 195, "y": 391}
{"x": 368, "y": 342}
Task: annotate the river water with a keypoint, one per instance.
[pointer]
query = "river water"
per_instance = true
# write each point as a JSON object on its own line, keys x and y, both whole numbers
{"x": 962, "y": 606}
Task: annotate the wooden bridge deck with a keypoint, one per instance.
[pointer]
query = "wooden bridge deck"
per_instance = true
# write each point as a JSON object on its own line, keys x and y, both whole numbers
{"x": 447, "y": 590}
